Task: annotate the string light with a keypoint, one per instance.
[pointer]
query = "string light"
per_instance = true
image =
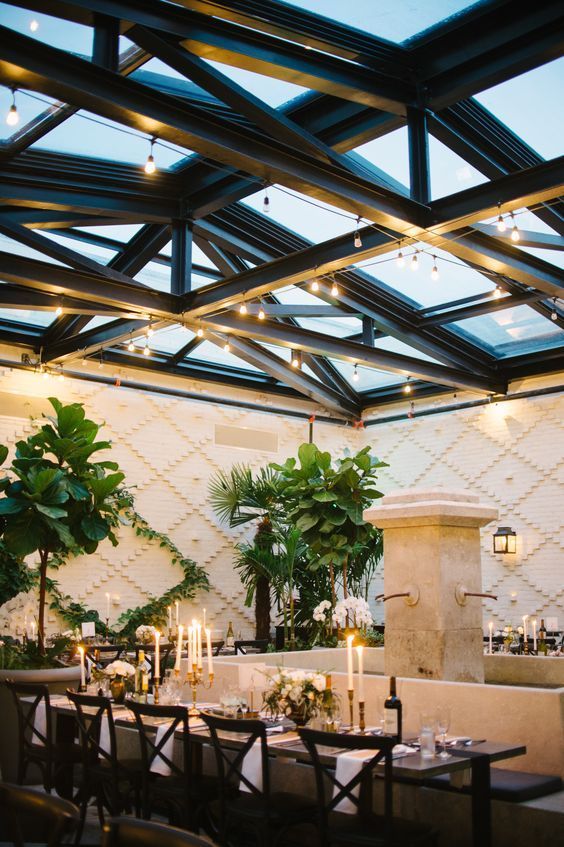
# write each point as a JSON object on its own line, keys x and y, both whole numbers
{"x": 400, "y": 261}
{"x": 414, "y": 264}
{"x": 34, "y": 25}
{"x": 514, "y": 230}
{"x": 85, "y": 362}
{"x": 226, "y": 347}
{"x": 131, "y": 345}
{"x": 243, "y": 308}
{"x": 435, "y": 270}
{"x": 150, "y": 166}
{"x": 554, "y": 313}
{"x": 59, "y": 311}
{"x": 261, "y": 314}
{"x": 150, "y": 331}
{"x": 146, "y": 348}
{"x": 355, "y": 375}
{"x": 61, "y": 375}
{"x": 101, "y": 362}
{"x": 334, "y": 289}
{"x": 296, "y": 359}
{"x": 357, "y": 238}
{"x": 13, "y": 118}
{"x": 266, "y": 203}
{"x": 500, "y": 222}
{"x": 407, "y": 386}
{"x": 497, "y": 292}
{"x": 315, "y": 285}
{"x": 200, "y": 332}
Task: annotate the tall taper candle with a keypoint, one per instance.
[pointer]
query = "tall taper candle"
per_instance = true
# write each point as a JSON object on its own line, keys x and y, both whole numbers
{"x": 107, "y": 605}
{"x": 157, "y": 669}
{"x": 82, "y": 668}
{"x": 177, "y": 604}
{"x": 360, "y": 651}
{"x": 210, "y": 657}
{"x": 534, "y": 622}
{"x": 179, "y": 647}
{"x": 169, "y": 618}
{"x": 190, "y": 655}
{"x": 199, "y": 645}
{"x": 350, "y": 639}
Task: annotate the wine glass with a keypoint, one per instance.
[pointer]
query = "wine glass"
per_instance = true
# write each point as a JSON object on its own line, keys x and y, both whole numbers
{"x": 443, "y": 725}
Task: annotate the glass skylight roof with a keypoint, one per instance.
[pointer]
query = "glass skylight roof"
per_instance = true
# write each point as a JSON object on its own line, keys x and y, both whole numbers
{"x": 28, "y": 316}
{"x": 50, "y": 30}
{"x": 512, "y": 331}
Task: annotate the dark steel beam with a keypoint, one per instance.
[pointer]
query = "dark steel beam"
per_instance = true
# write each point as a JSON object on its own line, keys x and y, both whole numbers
{"x": 487, "y": 307}
{"x": 16, "y": 297}
{"x": 277, "y": 310}
{"x": 91, "y": 341}
{"x": 105, "y": 46}
{"x": 181, "y": 267}
{"x": 419, "y": 169}
{"x": 539, "y": 240}
{"x": 279, "y": 369}
{"x": 326, "y": 345}
{"x": 144, "y": 245}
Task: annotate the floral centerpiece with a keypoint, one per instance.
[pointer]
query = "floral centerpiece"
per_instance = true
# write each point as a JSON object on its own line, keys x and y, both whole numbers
{"x": 352, "y": 612}
{"x": 121, "y": 674}
{"x": 145, "y": 634}
{"x": 300, "y": 695}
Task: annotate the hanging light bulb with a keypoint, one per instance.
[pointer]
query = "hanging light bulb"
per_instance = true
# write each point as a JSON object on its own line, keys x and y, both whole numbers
{"x": 226, "y": 347}
{"x": 34, "y": 25}
{"x": 407, "y": 386}
{"x": 146, "y": 348}
{"x": 150, "y": 331}
{"x": 435, "y": 270}
{"x": 414, "y": 264}
{"x": 500, "y": 222}
{"x": 357, "y": 238}
{"x": 497, "y": 292}
{"x": 243, "y": 308}
{"x": 554, "y": 313}
{"x": 131, "y": 345}
{"x": 295, "y": 359}
{"x": 150, "y": 166}
{"x": 200, "y": 332}
{"x": 84, "y": 362}
{"x": 59, "y": 311}
{"x": 400, "y": 261}
{"x": 61, "y": 375}
{"x": 334, "y": 289}
{"x": 355, "y": 375}
{"x": 266, "y": 203}
{"x": 514, "y": 230}
{"x": 45, "y": 373}
{"x": 101, "y": 362}
{"x": 13, "y": 118}
{"x": 315, "y": 285}
{"x": 261, "y": 314}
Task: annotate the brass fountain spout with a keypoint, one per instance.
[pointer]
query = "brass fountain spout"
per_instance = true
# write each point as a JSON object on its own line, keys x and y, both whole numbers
{"x": 461, "y": 593}
{"x": 410, "y": 596}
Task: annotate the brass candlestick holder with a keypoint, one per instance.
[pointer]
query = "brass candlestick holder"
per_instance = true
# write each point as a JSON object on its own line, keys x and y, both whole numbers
{"x": 194, "y": 678}
{"x": 108, "y": 630}
{"x": 361, "y": 723}
{"x": 156, "y": 683}
{"x": 351, "y": 705}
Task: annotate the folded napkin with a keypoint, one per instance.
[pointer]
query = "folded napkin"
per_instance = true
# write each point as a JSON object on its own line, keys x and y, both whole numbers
{"x": 105, "y": 742}
{"x": 401, "y": 750}
{"x": 159, "y": 764}
{"x": 251, "y": 767}
{"x": 39, "y": 724}
{"x": 348, "y": 765}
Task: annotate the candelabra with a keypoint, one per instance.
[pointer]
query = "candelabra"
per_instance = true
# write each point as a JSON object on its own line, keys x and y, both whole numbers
{"x": 194, "y": 678}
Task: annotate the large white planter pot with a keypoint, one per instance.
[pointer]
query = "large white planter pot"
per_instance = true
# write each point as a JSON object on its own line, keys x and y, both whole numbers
{"x": 57, "y": 680}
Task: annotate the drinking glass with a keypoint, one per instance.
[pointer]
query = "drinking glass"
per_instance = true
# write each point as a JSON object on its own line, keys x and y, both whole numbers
{"x": 427, "y": 727}
{"x": 333, "y": 717}
{"x": 243, "y": 702}
{"x": 443, "y": 725}
{"x": 229, "y": 701}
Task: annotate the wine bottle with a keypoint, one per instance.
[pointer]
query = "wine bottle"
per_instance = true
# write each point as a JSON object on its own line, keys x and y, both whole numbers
{"x": 392, "y": 713}
{"x": 139, "y": 671}
{"x": 542, "y": 648}
{"x": 230, "y": 637}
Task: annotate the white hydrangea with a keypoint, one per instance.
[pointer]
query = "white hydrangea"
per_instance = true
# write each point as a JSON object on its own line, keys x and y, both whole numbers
{"x": 145, "y": 633}
{"x": 352, "y": 611}
{"x": 120, "y": 668}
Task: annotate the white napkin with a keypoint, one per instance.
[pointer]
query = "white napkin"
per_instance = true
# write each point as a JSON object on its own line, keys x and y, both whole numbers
{"x": 105, "y": 742}
{"x": 251, "y": 767}
{"x": 159, "y": 765}
{"x": 401, "y": 750}
{"x": 348, "y": 765}
{"x": 40, "y": 724}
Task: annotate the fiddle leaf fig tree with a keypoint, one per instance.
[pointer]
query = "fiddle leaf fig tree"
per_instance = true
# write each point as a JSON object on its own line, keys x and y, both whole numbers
{"x": 56, "y": 498}
{"x": 326, "y": 501}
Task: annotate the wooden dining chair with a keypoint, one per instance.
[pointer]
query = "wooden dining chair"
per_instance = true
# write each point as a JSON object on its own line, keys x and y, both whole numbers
{"x": 102, "y": 654}
{"x": 184, "y": 793}
{"x": 149, "y": 651}
{"x": 363, "y": 827}
{"x": 127, "y": 832}
{"x": 28, "y": 816}
{"x": 257, "y": 645}
{"x": 111, "y": 779}
{"x": 243, "y": 806}
{"x": 36, "y": 742}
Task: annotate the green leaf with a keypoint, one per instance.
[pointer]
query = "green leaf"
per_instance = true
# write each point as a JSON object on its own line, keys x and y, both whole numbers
{"x": 94, "y": 527}
{"x": 101, "y": 488}
{"x": 77, "y": 490}
{"x": 325, "y": 496}
{"x": 62, "y": 531}
{"x": 307, "y": 454}
{"x": 362, "y": 461}
{"x": 51, "y": 511}
{"x": 69, "y": 417}
{"x": 9, "y": 506}
{"x": 3, "y": 453}
{"x": 324, "y": 461}
{"x": 306, "y": 522}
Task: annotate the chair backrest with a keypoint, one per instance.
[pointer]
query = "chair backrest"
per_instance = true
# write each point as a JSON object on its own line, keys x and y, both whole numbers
{"x": 91, "y": 713}
{"x": 127, "y": 832}
{"x": 103, "y": 654}
{"x": 230, "y": 752}
{"x": 216, "y": 647}
{"x": 32, "y": 730}
{"x": 145, "y": 716}
{"x": 149, "y": 650}
{"x": 29, "y": 816}
{"x": 258, "y": 644}
{"x": 358, "y": 790}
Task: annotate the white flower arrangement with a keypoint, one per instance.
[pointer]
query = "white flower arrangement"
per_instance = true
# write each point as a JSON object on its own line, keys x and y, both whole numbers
{"x": 353, "y": 612}
{"x": 297, "y": 693}
{"x": 72, "y": 635}
{"x": 321, "y": 610}
{"x": 145, "y": 634}
{"x": 119, "y": 668}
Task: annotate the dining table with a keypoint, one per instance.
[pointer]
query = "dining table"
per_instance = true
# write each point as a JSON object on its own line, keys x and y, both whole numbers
{"x": 409, "y": 766}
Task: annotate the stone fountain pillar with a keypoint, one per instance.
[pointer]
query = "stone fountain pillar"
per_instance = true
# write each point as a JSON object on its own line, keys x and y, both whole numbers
{"x": 432, "y": 552}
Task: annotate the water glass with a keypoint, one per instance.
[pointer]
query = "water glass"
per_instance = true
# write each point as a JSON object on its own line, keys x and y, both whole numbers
{"x": 428, "y": 723}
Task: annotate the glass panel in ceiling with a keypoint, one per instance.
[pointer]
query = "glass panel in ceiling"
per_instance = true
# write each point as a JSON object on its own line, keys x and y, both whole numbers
{"x": 10, "y": 245}
{"x": 97, "y": 321}
{"x": 312, "y": 219}
{"x": 336, "y": 327}
{"x": 449, "y": 172}
{"x": 90, "y": 251}
{"x": 530, "y": 105}
{"x": 85, "y": 134}
{"x": 208, "y": 352}
{"x": 394, "y": 20}
{"x": 54, "y": 31}
{"x": 512, "y": 332}
{"x": 118, "y": 232}
{"x": 369, "y": 378}
{"x": 455, "y": 281}
{"x": 171, "y": 339}
{"x": 272, "y": 91}
{"x": 394, "y": 345}
{"x": 390, "y": 153}
{"x": 155, "y": 276}
{"x": 28, "y": 316}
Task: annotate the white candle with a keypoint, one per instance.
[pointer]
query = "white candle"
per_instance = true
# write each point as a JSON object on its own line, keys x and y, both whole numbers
{"x": 190, "y": 655}
{"x": 107, "y": 606}
{"x": 157, "y": 656}
{"x": 33, "y": 630}
{"x": 525, "y": 628}
{"x": 199, "y": 645}
{"x": 82, "y": 668}
{"x": 177, "y": 604}
{"x": 350, "y": 639}
{"x": 179, "y": 648}
{"x": 490, "y": 626}
{"x": 210, "y": 657}
{"x": 360, "y": 651}
{"x": 534, "y": 622}
{"x": 169, "y": 618}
